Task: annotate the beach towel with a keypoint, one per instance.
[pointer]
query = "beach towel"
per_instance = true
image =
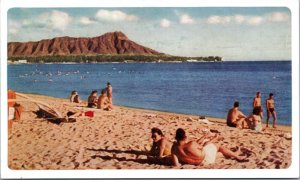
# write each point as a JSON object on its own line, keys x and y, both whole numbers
{"x": 210, "y": 153}
{"x": 89, "y": 113}
{"x": 206, "y": 121}
{"x": 11, "y": 95}
{"x": 11, "y": 113}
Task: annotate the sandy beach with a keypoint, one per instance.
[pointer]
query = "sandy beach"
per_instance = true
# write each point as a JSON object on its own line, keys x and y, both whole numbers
{"x": 119, "y": 139}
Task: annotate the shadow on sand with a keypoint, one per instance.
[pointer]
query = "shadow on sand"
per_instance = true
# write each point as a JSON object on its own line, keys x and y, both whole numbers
{"x": 150, "y": 160}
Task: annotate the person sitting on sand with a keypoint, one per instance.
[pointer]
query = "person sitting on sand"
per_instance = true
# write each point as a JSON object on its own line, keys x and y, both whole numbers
{"x": 191, "y": 152}
{"x": 161, "y": 145}
{"x": 271, "y": 110}
{"x": 92, "y": 99}
{"x": 74, "y": 98}
{"x": 103, "y": 102}
{"x": 257, "y": 102}
{"x": 255, "y": 119}
{"x": 235, "y": 116}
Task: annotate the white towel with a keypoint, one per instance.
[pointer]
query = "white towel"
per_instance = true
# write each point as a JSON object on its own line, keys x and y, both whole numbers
{"x": 11, "y": 113}
{"x": 210, "y": 153}
{"x": 206, "y": 121}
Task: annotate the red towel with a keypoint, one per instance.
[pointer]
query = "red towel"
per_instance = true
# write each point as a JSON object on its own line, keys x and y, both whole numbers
{"x": 89, "y": 113}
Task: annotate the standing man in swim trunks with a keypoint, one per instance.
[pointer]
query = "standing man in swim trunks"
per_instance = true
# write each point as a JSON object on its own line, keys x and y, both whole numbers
{"x": 109, "y": 94}
{"x": 271, "y": 110}
{"x": 257, "y": 102}
{"x": 190, "y": 152}
{"x": 235, "y": 116}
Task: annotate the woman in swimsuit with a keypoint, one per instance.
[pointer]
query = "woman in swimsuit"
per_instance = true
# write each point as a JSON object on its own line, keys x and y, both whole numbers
{"x": 92, "y": 99}
{"x": 161, "y": 145}
{"x": 75, "y": 97}
{"x": 255, "y": 119}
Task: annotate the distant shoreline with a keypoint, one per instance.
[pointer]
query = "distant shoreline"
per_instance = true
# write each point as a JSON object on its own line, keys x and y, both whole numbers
{"x": 109, "y": 58}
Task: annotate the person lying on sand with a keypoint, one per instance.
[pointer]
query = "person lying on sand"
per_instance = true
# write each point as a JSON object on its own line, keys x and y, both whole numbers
{"x": 235, "y": 116}
{"x": 103, "y": 102}
{"x": 73, "y": 115}
{"x": 191, "y": 152}
{"x": 92, "y": 99}
{"x": 161, "y": 145}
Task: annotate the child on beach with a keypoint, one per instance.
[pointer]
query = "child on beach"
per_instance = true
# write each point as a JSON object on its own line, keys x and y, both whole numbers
{"x": 92, "y": 99}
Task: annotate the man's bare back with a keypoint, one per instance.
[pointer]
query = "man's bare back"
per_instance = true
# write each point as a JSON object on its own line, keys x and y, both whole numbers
{"x": 187, "y": 153}
{"x": 233, "y": 116}
{"x": 190, "y": 152}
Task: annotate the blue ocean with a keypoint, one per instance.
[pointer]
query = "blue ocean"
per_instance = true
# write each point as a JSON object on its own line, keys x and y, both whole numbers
{"x": 208, "y": 88}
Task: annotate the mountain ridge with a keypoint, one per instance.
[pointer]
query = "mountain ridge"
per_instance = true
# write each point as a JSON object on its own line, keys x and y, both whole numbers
{"x": 109, "y": 43}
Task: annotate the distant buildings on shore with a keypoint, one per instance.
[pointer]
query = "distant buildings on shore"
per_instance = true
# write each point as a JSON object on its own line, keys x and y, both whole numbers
{"x": 21, "y": 61}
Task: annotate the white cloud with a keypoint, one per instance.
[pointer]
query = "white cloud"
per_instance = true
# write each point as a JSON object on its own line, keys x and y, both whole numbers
{"x": 249, "y": 20}
{"x": 13, "y": 31}
{"x": 218, "y": 19}
{"x": 255, "y": 20}
{"x": 114, "y": 16}
{"x": 165, "y": 23}
{"x": 186, "y": 19}
{"x": 56, "y": 20}
{"x": 278, "y": 17}
{"x": 13, "y": 27}
{"x": 239, "y": 18}
{"x": 86, "y": 20}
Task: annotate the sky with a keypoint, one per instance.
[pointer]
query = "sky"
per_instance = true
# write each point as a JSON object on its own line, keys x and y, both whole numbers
{"x": 245, "y": 33}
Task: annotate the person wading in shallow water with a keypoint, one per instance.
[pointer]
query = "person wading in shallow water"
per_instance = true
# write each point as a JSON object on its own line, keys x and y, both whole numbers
{"x": 271, "y": 110}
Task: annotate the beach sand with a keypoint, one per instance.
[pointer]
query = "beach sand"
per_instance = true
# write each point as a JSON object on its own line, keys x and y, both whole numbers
{"x": 119, "y": 139}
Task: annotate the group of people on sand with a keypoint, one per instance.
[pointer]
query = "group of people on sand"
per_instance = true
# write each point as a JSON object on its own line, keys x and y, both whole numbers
{"x": 182, "y": 151}
{"x": 104, "y": 101}
{"x": 235, "y": 118}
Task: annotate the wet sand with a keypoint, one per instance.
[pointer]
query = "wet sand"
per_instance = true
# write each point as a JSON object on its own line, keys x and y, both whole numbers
{"x": 119, "y": 139}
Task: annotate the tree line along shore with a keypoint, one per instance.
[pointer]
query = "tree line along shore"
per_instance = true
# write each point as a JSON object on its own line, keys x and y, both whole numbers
{"x": 110, "y": 58}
